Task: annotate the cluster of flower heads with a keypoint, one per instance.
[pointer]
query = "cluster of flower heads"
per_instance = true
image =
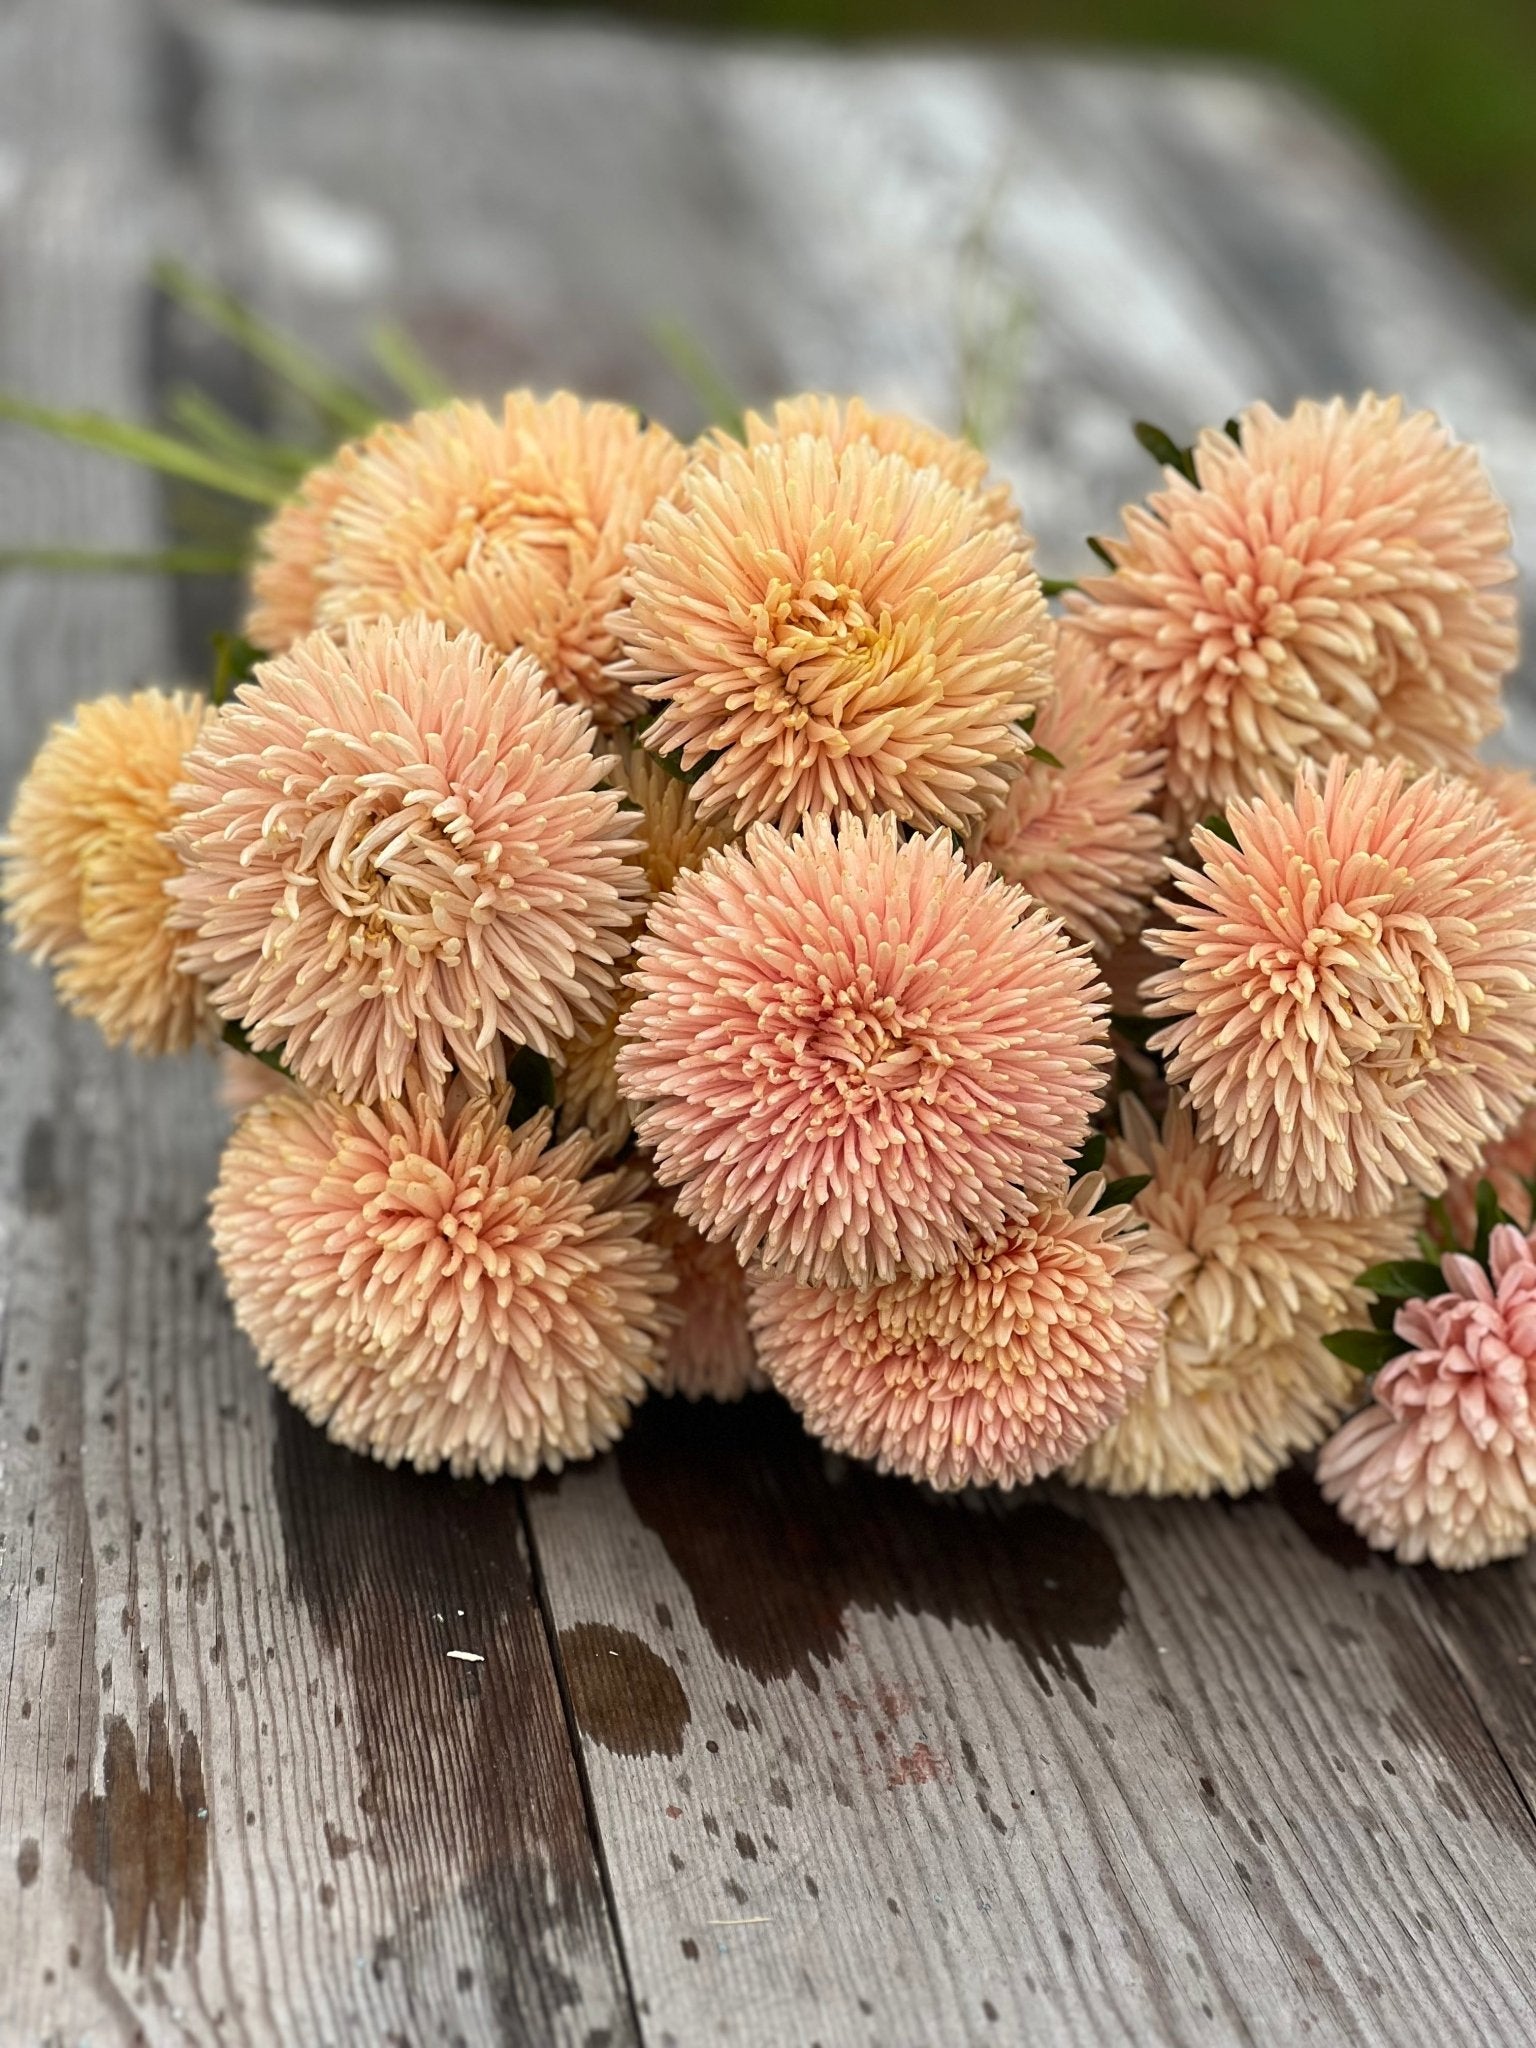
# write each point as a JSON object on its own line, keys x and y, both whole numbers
{"x": 694, "y": 919}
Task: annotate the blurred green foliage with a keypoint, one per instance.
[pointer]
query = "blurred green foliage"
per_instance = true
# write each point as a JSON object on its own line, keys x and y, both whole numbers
{"x": 1446, "y": 87}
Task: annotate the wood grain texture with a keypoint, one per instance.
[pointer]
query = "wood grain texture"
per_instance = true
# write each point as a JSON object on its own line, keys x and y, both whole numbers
{"x": 864, "y": 1767}
{"x": 247, "y": 1794}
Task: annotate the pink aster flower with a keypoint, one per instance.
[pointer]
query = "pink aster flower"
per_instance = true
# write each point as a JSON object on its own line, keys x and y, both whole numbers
{"x": 443, "y": 1291}
{"x": 399, "y": 849}
{"x": 1084, "y": 837}
{"x": 990, "y": 1374}
{"x": 1354, "y": 987}
{"x": 1339, "y": 580}
{"x": 707, "y": 1354}
{"x": 1441, "y": 1464}
{"x": 851, "y": 1055}
{"x": 1509, "y": 1164}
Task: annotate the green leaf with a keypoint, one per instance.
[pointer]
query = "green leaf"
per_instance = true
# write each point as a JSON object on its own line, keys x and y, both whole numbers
{"x": 1164, "y": 449}
{"x": 1383, "y": 1314}
{"x": 1402, "y": 1279}
{"x": 406, "y": 367}
{"x": 1489, "y": 1216}
{"x": 234, "y": 661}
{"x": 351, "y": 410}
{"x": 686, "y": 356}
{"x": 1124, "y": 1190}
{"x": 227, "y": 440}
{"x": 235, "y": 1035}
{"x": 143, "y": 445}
{"x": 1054, "y": 586}
{"x": 1365, "y": 1350}
{"x": 1091, "y": 1158}
{"x": 1097, "y": 547}
{"x": 114, "y": 561}
{"x": 1044, "y": 756}
{"x": 532, "y": 1079}
{"x": 1219, "y": 828}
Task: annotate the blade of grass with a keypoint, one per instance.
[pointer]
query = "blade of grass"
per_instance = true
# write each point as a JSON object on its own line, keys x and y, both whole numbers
{"x": 693, "y": 365}
{"x": 286, "y": 358}
{"x": 207, "y": 423}
{"x": 144, "y": 446}
{"x": 406, "y": 367}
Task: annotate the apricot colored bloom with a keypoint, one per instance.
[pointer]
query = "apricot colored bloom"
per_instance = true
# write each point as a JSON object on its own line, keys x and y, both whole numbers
{"x": 244, "y": 1080}
{"x": 512, "y": 526}
{"x": 844, "y": 421}
{"x": 850, "y": 1054}
{"x": 1441, "y": 1463}
{"x": 1241, "y": 1381}
{"x": 86, "y": 861}
{"x": 1338, "y": 581}
{"x": 1354, "y": 987}
{"x": 1085, "y": 838}
{"x": 587, "y": 1092}
{"x": 291, "y": 550}
{"x": 1514, "y": 791}
{"x": 1509, "y": 1163}
{"x": 832, "y": 631}
{"x": 672, "y": 835}
{"x": 707, "y": 1353}
{"x": 399, "y": 849}
{"x": 990, "y": 1374}
{"x": 444, "y": 1293}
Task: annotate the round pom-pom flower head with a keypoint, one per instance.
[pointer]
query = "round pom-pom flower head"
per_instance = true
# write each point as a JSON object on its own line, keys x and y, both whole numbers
{"x": 514, "y": 527}
{"x": 1337, "y": 581}
{"x": 834, "y": 631}
{"x": 86, "y": 863}
{"x": 1354, "y": 986}
{"x": 1242, "y": 1380}
{"x": 850, "y": 1054}
{"x": 1441, "y": 1463}
{"x": 444, "y": 1292}
{"x": 991, "y": 1374}
{"x": 398, "y": 850}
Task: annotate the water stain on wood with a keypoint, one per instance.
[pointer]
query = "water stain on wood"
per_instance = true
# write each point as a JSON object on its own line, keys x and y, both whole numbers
{"x": 28, "y": 1862}
{"x": 622, "y": 1694}
{"x": 775, "y": 1552}
{"x": 146, "y": 1844}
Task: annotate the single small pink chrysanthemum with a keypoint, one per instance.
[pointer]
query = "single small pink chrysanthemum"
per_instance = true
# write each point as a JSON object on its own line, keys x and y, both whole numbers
{"x": 85, "y": 863}
{"x": 1441, "y": 1463}
{"x": 850, "y": 1054}
{"x": 1085, "y": 838}
{"x": 290, "y": 550}
{"x": 707, "y": 1353}
{"x": 991, "y": 1374}
{"x": 447, "y": 1293}
{"x": 245, "y": 1080}
{"x": 834, "y": 631}
{"x": 1338, "y": 581}
{"x": 1514, "y": 791}
{"x": 398, "y": 849}
{"x": 1354, "y": 987}
{"x": 844, "y": 421}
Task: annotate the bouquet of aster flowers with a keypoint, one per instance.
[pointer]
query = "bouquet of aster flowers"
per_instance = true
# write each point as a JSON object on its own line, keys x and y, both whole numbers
{"x": 693, "y": 918}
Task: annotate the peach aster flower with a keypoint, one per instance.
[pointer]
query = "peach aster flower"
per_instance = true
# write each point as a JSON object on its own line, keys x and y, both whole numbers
{"x": 835, "y": 632}
{"x": 399, "y": 849}
{"x": 587, "y": 1092}
{"x": 844, "y": 421}
{"x": 86, "y": 862}
{"x": 670, "y": 830}
{"x": 850, "y": 1054}
{"x": 1085, "y": 837}
{"x": 1338, "y": 581}
{"x": 514, "y": 527}
{"x": 444, "y": 1293}
{"x": 1354, "y": 986}
{"x": 1514, "y": 791}
{"x": 707, "y": 1354}
{"x": 990, "y": 1374}
{"x": 1241, "y": 1381}
{"x": 1441, "y": 1463}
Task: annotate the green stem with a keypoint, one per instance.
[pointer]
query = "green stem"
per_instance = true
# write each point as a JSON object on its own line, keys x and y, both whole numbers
{"x": 142, "y": 445}
{"x": 406, "y": 367}
{"x": 112, "y": 562}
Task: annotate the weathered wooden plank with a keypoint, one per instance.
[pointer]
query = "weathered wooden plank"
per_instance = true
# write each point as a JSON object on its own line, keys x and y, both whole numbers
{"x": 874, "y": 1767}
{"x": 245, "y": 1791}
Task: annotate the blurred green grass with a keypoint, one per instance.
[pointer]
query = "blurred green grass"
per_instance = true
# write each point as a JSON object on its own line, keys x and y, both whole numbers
{"x": 1447, "y": 90}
